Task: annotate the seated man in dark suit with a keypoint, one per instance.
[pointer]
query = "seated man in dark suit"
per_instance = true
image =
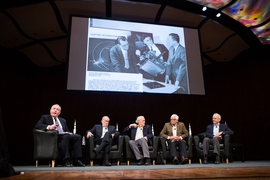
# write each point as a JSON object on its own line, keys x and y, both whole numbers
{"x": 140, "y": 136}
{"x": 68, "y": 141}
{"x": 103, "y": 136}
{"x": 214, "y": 133}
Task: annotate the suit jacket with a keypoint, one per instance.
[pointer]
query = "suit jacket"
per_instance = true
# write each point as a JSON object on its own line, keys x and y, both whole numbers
{"x": 97, "y": 131}
{"x": 222, "y": 127}
{"x": 176, "y": 66}
{"x": 46, "y": 120}
{"x": 147, "y": 131}
{"x": 118, "y": 61}
{"x": 181, "y": 130}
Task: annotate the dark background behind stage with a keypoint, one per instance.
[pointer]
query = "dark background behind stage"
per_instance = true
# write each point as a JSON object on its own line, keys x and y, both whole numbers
{"x": 238, "y": 90}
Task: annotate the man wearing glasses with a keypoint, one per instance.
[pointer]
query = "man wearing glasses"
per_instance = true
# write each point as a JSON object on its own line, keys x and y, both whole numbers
{"x": 175, "y": 133}
{"x": 123, "y": 56}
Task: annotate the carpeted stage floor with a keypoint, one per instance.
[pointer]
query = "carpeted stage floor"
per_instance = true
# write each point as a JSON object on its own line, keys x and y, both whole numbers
{"x": 236, "y": 170}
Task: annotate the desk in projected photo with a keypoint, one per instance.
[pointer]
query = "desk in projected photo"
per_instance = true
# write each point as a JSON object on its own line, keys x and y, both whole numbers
{"x": 152, "y": 86}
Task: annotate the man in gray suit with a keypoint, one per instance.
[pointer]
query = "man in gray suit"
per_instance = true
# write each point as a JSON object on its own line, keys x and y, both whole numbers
{"x": 176, "y": 70}
{"x": 103, "y": 136}
{"x": 140, "y": 136}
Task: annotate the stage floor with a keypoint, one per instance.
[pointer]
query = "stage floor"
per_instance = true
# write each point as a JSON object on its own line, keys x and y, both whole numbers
{"x": 236, "y": 170}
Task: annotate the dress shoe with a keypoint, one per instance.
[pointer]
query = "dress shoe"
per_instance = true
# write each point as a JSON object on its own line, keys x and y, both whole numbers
{"x": 141, "y": 162}
{"x": 106, "y": 163}
{"x": 78, "y": 163}
{"x": 184, "y": 160}
{"x": 176, "y": 161}
{"x": 67, "y": 164}
{"x": 147, "y": 162}
{"x": 96, "y": 151}
{"x": 217, "y": 161}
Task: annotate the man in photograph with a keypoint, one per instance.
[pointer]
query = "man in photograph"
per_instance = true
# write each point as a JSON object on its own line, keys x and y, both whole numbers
{"x": 122, "y": 56}
{"x": 176, "y": 70}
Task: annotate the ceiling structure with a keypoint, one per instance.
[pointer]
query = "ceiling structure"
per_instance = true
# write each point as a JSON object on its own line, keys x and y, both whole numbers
{"x": 40, "y": 28}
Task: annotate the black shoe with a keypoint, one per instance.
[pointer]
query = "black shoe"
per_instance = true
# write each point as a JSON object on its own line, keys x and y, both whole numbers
{"x": 217, "y": 160}
{"x": 205, "y": 161}
{"x": 141, "y": 162}
{"x": 147, "y": 162}
{"x": 175, "y": 161}
{"x": 106, "y": 163}
{"x": 78, "y": 163}
{"x": 96, "y": 151}
{"x": 184, "y": 160}
{"x": 67, "y": 164}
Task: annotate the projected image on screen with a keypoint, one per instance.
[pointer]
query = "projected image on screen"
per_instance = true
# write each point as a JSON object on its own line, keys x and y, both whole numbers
{"x": 130, "y": 57}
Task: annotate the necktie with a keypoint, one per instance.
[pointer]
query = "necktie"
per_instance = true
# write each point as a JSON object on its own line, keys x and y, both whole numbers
{"x": 59, "y": 129}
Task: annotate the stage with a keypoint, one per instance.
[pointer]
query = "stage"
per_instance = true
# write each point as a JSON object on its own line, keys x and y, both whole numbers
{"x": 236, "y": 170}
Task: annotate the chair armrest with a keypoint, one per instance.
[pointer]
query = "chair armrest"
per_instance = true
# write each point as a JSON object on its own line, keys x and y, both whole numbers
{"x": 227, "y": 145}
{"x": 189, "y": 141}
{"x": 128, "y": 151}
{"x": 89, "y": 147}
{"x": 45, "y": 144}
{"x": 163, "y": 144}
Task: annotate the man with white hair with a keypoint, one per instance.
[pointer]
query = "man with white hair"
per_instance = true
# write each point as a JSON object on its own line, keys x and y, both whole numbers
{"x": 175, "y": 133}
{"x": 214, "y": 134}
{"x": 140, "y": 136}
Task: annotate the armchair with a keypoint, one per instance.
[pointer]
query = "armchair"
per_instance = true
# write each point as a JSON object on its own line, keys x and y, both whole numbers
{"x": 115, "y": 153}
{"x": 45, "y": 146}
{"x": 166, "y": 148}
{"x": 152, "y": 150}
{"x": 224, "y": 147}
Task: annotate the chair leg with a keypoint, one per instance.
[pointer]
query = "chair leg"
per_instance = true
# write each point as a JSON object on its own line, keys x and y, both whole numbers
{"x": 189, "y": 161}
{"x": 36, "y": 163}
{"x": 118, "y": 162}
{"x": 154, "y": 162}
{"x": 200, "y": 160}
{"x": 53, "y": 163}
{"x": 128, "y": 162}
{"x": 91, "y": 162}
{"x": 227, "y": 160}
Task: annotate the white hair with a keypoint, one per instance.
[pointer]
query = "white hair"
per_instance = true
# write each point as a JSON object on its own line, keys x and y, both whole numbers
{"x": 139, "y": 118}
{"x": 219, "y": 116}
{"x": 175, "y": 116}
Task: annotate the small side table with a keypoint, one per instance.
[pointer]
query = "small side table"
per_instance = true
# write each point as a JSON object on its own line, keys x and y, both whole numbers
{"x": 236, "y": 145}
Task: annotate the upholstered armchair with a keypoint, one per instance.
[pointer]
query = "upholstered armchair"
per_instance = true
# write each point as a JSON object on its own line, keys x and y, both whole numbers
{"x": 166, "y": 148}
{"x": 46, "y": 146}
{"x": 129, "y": 155}
{"x": 224, "y": 147}
{"x": 115, "y": 153}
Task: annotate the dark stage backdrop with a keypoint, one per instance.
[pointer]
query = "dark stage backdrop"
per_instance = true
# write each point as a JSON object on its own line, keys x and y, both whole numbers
{"x": 238, "y": 90}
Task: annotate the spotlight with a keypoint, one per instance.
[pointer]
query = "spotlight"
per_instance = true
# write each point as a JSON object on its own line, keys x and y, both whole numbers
{"x": 204, "y": 8}
{"x": 218, "y": 15}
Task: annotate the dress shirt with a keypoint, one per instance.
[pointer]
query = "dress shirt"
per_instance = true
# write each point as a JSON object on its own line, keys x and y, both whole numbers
{"x": 139, "y": 133}
{"x": 104, "y": 130}
{"x": 215, "y": 129}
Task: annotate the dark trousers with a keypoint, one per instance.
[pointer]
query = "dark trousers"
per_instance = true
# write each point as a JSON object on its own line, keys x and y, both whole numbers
{"x": 105, "y": 144}
{"x": 214, "y": 142}
{"x": 69, "y": 143}
{"x": 181, "y": 146}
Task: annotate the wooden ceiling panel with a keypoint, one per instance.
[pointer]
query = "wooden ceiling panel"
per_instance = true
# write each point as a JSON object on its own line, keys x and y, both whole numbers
{"x": 37, "y": 21}
{"x": 9, "y": 35}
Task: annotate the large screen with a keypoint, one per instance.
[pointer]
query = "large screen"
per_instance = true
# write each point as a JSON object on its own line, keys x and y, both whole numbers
{"x": 120, "y": 56}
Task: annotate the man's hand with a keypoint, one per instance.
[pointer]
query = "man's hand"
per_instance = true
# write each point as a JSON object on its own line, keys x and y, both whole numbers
{"x": 52, "y": 127}
{"x": 112, "y": 136}
{"x": 219, "y": 135}
{"x": 176, "y": 83}
{"x": 134, "y": 125}
{"x": 89, "y": 134}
